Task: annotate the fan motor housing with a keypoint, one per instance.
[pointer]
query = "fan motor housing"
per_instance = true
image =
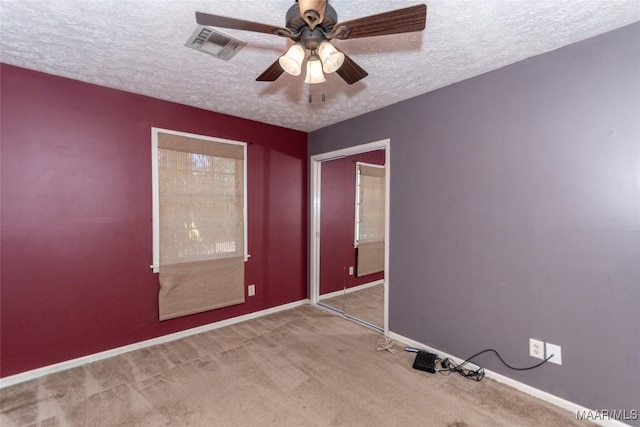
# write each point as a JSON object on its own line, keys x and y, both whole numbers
{"x": 295, "y": 22}
{"x": 311, "y": 39}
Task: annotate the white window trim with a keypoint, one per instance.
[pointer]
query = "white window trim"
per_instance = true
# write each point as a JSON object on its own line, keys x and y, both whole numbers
{"x": 155, "y": 198}
{"x": 357, "y": 215}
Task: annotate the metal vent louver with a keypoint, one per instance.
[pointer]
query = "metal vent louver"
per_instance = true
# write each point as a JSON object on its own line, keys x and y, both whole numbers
{"x": 214, "y": 43}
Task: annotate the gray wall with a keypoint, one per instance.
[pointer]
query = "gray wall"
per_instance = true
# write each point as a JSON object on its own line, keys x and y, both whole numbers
{"x": 515, "y": 213}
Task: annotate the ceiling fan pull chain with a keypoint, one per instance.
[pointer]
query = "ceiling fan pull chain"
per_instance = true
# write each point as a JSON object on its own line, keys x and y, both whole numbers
{"x": 310, "y": 97}
{"x": 323, "y": 92}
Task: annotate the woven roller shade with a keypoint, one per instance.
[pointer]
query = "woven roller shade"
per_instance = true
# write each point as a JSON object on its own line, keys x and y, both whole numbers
{"x": 202, "y": 146}
{"x": 201, "y": 215}
{"x": 370, "y": 257}
{"x": 195, "y": 287}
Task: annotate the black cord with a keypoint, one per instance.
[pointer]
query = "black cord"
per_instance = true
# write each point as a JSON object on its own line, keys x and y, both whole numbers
{"x": 505, "y": 363}
{"x": 478, "y": 374}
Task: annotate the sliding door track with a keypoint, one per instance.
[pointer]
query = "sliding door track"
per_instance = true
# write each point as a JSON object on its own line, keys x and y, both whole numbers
{"x": 351, "y": 318}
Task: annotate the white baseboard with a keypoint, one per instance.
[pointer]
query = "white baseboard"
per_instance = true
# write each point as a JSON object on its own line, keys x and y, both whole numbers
{"x": 349, "y": 290}
{"x": 68, "y": 364}
{"x": 532, "y": 391}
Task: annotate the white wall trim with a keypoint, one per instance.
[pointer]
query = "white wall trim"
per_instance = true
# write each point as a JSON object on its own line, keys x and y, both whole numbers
{"x": 74, "y": 363}
{"x": 349, "y": 290}
{"x": 532, "y": 391}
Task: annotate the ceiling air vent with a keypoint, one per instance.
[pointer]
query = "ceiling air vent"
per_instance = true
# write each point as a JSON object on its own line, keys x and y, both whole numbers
{"x": 214, "y": 43}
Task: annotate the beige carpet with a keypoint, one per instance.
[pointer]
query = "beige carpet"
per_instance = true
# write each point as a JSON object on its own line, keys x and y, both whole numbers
{"x": 302, "y": 367}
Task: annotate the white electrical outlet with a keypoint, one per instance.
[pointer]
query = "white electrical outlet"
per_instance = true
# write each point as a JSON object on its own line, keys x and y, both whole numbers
{"x": 251, "y": 290}
{"x": 557, "y": 353}
{"x": 351, "y": 271}
{"x": 536, "y": 348}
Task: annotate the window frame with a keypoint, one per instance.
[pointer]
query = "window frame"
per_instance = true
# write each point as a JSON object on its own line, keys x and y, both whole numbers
{"x": 155, "y": 194}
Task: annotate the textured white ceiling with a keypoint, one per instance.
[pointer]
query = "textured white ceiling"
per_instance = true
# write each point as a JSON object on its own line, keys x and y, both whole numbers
{"x": 138, "y": 46}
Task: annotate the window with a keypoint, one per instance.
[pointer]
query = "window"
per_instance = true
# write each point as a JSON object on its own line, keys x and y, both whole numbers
{"x": 369, "y": 227}
{"x": 199, "y": 221}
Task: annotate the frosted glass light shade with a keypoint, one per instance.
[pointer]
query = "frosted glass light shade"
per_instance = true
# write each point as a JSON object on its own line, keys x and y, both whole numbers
{"x": 314, "y": 71}
{"x": 332, "y": 58}
{"x": 291, "y": 62}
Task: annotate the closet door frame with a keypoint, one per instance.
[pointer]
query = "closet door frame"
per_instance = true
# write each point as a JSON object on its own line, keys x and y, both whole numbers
{"x": 315, "y": 206}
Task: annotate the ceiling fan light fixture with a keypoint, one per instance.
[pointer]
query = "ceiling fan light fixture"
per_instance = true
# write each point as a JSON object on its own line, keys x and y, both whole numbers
{"x": 309, "y": 23}
{"x": 314, "y": 71}
{"x": 291, "y": 62}
{"x": 332, "y": 58}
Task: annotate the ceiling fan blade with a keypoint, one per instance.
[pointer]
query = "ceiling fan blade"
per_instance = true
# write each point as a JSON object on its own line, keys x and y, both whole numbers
{"x": 272, "y": 73}
{"x": 409, "y": 19}
{"x": 239, "y": 24}
{"x": 350, "y": 71}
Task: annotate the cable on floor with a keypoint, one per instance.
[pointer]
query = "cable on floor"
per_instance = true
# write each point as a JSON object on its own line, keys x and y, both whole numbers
{"x": 448, "y": 366}
{"x": 385, "y": 343}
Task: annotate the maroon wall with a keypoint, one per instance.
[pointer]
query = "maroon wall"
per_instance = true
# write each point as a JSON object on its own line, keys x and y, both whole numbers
{"x": 337, "y": 218}
{"x": 76, "y": 217}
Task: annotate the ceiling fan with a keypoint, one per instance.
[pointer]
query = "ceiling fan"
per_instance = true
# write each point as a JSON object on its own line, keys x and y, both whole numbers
{"x": 312, "y": 24}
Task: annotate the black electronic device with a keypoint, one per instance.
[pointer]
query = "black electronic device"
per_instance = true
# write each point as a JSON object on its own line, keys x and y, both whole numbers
{"x": 425, "y": 361}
